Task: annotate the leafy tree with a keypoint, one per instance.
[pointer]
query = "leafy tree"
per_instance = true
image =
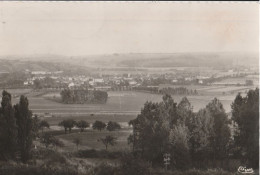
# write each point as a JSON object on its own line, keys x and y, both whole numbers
{"x": 185, "y": 113}
{"x": 220, "y": 136}
{"x": 179, "y": 138}
{"x": 200, "y": 134}
{"x": 77, "y": 142}
{"x": 111, "y": 126}
{"x": 168, "y": 109}
{"x": 67, "y": 124}
{"x": 99, "y": 125}
{"x": 8, "y": 128}
{"x": 43, "y": 124}
{"x": 245, "y": 114}
{"x": 108, "y": 140}
{"x": 25, "y": 124}
{"x": 82, "y": 125}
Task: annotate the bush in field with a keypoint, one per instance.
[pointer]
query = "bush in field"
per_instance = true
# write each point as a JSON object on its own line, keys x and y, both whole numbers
{"x": 67, "y": 124}
{"x": 99, "y": 125}
{"x": 82, "y": 125}
{"x": 112, "y": 126}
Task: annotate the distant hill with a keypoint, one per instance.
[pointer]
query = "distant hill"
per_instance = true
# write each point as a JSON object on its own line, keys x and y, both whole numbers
{"x": 128, "y": 60}
{"x": 17, "y": 65}
{"x": 189, "y": 60}
{"x": 148, "y": 60}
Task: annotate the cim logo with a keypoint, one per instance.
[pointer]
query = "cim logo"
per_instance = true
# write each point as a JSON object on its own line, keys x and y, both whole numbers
{"x": 245, "y": 170}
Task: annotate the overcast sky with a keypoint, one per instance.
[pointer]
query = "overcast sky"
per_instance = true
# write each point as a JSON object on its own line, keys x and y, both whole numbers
{"x": 83, "y": 28}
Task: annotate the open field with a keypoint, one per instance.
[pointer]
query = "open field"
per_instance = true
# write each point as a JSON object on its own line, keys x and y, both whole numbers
{"x": 118, "y": 103}
{"x": 121, "y": 103}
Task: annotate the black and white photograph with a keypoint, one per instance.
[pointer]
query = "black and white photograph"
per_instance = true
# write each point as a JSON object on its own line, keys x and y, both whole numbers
{"x": 129, "y": 88}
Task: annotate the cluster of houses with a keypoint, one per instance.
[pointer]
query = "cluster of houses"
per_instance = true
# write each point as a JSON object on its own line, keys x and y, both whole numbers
{"x": 99, "y": 82}
{"x": 108, "y": 82}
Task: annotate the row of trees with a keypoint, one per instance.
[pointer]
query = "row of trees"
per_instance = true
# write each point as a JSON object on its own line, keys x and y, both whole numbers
{"x": 110, "y": 126}
{"x": 178, "y": 91}
{"x": 155, "y": 81}
{"x": 192, "y": 138}
{"x": 98, "y": 125}
{"x": 80, "y": 96}
{"x": 146, "y": 88}
{"x": 70, "y": 123}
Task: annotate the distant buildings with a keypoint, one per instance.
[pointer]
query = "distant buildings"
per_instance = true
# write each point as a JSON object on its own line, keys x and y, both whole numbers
{"x": 40, "y": 73}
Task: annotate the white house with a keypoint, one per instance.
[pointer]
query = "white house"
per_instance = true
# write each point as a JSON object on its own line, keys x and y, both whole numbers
{"x": 71, "y": 85}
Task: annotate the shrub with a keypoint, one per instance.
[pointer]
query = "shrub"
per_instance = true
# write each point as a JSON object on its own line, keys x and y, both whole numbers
{"x": 36, "y": 170}
{"x": 98, "y": 154}
{"x": 131, "y": 165}
{"x": 104, "y": 169}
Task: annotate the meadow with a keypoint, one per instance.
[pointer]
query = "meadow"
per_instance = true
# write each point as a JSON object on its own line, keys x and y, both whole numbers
{"x": 122, "y": 103}
{"x": 121, "y": 107}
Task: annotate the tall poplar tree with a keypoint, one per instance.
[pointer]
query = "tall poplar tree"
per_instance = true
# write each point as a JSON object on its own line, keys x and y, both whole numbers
{"x": 25, "y": 124}
{"x": 8, "y": 128}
